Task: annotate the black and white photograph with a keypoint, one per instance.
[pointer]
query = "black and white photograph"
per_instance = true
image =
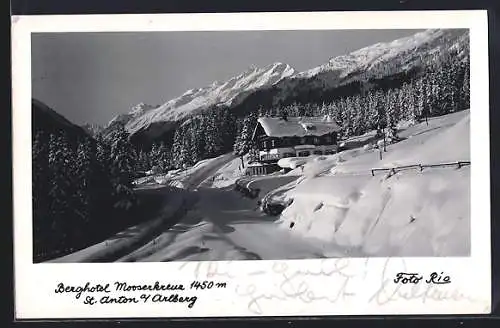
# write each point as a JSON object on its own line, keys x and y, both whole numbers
{"x": 250, "y": 145}
{"x": 251, "y": 164}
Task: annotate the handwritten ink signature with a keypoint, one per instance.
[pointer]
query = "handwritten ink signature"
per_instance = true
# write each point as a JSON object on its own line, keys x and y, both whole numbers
{"x": 211, "y": 269}
{"x": 292, "y": 287}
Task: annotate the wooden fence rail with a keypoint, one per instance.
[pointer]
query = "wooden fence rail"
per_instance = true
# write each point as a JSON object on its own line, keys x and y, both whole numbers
{"x": 393, "y": 170}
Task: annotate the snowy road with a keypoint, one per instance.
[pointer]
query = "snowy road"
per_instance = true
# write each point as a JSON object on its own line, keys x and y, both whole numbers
{"x": 222, "y": 225}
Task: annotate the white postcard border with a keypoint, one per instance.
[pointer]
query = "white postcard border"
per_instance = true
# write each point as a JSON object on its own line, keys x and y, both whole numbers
{"x": 256, "y": 288}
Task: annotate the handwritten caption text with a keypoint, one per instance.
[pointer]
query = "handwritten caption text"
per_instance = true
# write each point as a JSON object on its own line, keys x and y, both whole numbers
{"x": 120, "y": 292}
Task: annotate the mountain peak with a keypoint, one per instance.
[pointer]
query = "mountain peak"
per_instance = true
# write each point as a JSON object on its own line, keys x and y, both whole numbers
{"x": 251, "y": 68}
{"x": 277, "y": 64}
{"x": 385, "y": 58}
{"x": 383, "y": 52}
{"x": 141, "y": 107}
{"x": 226, "y": 93}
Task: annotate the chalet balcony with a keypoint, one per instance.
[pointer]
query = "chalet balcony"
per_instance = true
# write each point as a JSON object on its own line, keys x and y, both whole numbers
{"x": 266, "y": 143}
{"x": 269, "y": 157}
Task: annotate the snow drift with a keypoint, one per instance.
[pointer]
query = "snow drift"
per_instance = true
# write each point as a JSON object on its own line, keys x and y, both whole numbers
{"x": 411, "y": 213}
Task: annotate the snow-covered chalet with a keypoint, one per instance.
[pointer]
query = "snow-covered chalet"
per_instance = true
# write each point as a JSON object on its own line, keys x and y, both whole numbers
{"x": 281, "y": 137}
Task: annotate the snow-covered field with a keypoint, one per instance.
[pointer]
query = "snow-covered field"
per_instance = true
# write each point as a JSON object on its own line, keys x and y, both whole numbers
{"x": 227, "y": 174}
{"x": 192, "y": 176}
{"x": 337, "y": 208}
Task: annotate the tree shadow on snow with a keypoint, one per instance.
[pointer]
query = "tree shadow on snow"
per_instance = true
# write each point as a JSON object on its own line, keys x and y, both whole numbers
{"x": 193, "y": 250}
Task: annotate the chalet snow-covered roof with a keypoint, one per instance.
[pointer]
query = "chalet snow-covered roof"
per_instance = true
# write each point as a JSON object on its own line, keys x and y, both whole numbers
{"x": 297, "y": 126}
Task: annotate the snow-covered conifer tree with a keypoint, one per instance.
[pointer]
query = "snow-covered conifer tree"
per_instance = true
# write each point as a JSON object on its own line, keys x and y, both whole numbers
{"x": 62, "y": 190}
{"x": 122, "y": 169}
{"x": 164, "y": 160}
{"x": 359, "y": 119}
{"x": 372, "y": 111}
{"x": 381, "y": 105}
{"x": 419, "y": 88}
{"x": 41, "y": 199}
{"x": 465, "y": 99}
{"x": 244, "y": 138}
{"x": 394, "y": 103}
{"x": 87, "y": 183}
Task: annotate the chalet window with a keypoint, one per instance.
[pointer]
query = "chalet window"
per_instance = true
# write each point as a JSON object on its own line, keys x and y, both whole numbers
{"x": 274, "y": 143}
{"x": 302, "y": 140}
{"x": 316, "y": 140}
{"x": 328, "y": 140}
{"x": 304, "y": 153}
{"x": 264, "y": 144}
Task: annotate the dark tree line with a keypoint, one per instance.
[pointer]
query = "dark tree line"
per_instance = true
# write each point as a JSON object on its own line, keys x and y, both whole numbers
{"x": 443, "y": 88}
{"x": 81, "y": 190}
{"x": 158, "y": 159}
{"x": 209, "y": 134}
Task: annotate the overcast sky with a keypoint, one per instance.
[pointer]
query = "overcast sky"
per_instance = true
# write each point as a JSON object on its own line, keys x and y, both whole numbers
{"x": 92, "y": 77}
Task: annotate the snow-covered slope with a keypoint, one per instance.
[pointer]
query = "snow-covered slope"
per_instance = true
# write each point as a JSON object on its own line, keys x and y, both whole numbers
{"x": 391, "y": 57}
{"x": 136, "y": 112}
{"x": 48, "y": 120}
{"x": 195, "y": 100}
{"x": 338, "y": 202}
